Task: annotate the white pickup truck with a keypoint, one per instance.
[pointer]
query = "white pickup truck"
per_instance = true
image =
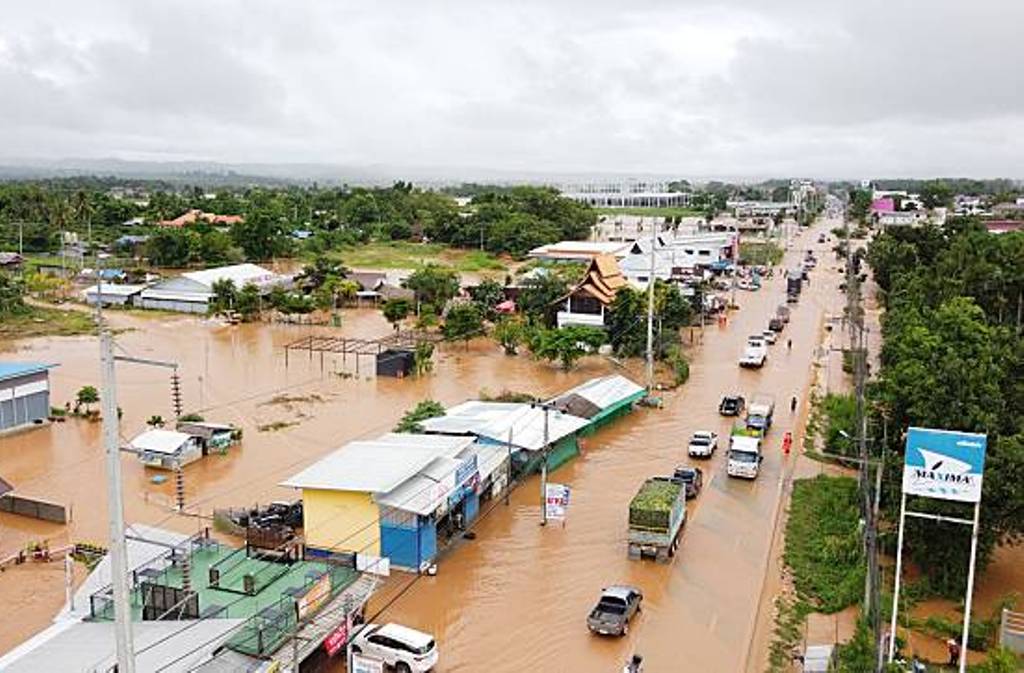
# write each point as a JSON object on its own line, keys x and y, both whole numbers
{"x": 756, "y": 351}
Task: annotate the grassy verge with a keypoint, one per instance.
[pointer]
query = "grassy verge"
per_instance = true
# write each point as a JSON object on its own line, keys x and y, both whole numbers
{"x": 39, "y": 322}
{"x": 763, "y": 253}
{"x": 669, "y": 211}
{"x": 823, "y": 548}
{"x": 408, "y": 255}
{"x": 823, "y": 557}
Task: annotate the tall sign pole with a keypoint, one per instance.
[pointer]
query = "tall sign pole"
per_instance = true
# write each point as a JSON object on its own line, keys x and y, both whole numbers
{"x": 943, "y": 465}
{"x": 650, "y": 312}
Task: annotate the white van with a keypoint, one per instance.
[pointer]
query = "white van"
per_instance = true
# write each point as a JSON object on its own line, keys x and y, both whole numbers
{"x": 744, "y": 457}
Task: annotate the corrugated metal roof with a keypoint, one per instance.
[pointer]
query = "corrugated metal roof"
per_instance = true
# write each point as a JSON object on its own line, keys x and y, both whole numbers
{"x": 159, "y": 441}
{"x": 11, "y": 370}
{"x": 493, "y": 420}
{"x": 604, "y": 391}
{"x": 377, "y": 465}
{"x": 239, "y": 273}
{"x": 114, "y": 290}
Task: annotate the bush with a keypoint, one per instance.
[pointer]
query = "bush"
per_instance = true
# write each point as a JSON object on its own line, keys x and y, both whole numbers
{"x": 411, "y": 420}
{"x": 680, "y": 366}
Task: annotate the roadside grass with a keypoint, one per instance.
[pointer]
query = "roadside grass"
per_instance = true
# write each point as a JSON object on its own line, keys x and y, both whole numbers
{"x": 669, "y": 211}
{"x": 409, "y": 255}
{"x": 38, "y": 321}
{"x": 823, "y": 547}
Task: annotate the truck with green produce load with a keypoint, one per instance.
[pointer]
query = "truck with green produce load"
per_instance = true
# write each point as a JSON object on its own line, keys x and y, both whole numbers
{"x": 657, "y": 515}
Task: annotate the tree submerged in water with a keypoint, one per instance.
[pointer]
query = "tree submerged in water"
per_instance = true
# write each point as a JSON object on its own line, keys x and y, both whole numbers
{"x": 411, "y": 420}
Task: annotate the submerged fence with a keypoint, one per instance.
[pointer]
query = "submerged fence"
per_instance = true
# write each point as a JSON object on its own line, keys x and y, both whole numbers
{"x": 1011, "y": 631}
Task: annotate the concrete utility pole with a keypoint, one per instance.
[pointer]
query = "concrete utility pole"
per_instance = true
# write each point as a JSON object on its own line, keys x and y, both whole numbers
{"x": 650, "y": 313}
{"x": 115, "y": 500}
{"x": 544, "y": 463}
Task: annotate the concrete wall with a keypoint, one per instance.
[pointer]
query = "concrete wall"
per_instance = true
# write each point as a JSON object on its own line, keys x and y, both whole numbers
{"x": 36, "y": 509}
{"x": 175, "y": 305}
{"x": 341, "y": 521}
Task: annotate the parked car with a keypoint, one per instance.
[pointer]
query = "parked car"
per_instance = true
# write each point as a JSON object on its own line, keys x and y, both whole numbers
{"x": 692, "y": 478}
{"x": 617, "y": 605}
{"x": 770, "y": 336}
{"x": 703, "y": 444}
{"x": 822, "y": 238}
{"x": 777, "y": 324}
{"x": 405, "y": 650}
{"x": 731, "y": 405}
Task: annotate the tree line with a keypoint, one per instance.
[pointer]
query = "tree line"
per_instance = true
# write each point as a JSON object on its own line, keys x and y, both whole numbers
{"x": 953, "y": 357}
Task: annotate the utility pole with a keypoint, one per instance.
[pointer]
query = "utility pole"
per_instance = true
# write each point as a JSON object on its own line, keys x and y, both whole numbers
{"x": 650, "y": 313}
{"x": 115, "y": 499}
{"x": 547, "y": 407}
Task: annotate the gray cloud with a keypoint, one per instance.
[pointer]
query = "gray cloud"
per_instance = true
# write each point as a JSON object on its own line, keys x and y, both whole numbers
{"x": 687, "y": 87}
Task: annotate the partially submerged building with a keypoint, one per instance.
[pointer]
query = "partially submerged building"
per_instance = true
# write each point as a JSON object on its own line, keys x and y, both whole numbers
{"x": 212, "y": 436}
{"x": 587, "y": 303}
{"x": 600, "y": 400}
{"x": 191, "y": 292}
{"x": 24, "y": 394}
{"x": 113, "y": 295}
{"x": 166, "y": 449}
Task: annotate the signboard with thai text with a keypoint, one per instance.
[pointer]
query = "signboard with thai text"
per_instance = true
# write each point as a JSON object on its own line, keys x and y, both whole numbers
{"x": 362, "y": 663}
{"x": 337, "y": 638}
{"x": 316, "y": 595}
{"x": 944, "y": 464}
{"x": 556, "y": 501}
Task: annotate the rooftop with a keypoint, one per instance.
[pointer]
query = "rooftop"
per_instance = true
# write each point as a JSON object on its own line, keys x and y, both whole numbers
{"x": 496, "y": 420}
{"x": 239, "y": 273}
{"x": 377, "y": 465}
{"x": 604, "y": 392}
{"x": 12, "y": 370}
{"x": 159, "y": 441}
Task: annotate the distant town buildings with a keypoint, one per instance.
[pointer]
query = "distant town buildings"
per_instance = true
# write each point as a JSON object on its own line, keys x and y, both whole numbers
{"x": 24, "y": 394}
{"x": 191, "y": 292}
{"x": 630, "y": 194}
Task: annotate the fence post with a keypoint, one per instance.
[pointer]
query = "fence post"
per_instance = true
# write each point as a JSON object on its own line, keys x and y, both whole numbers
{"x": 1002, "y": 627}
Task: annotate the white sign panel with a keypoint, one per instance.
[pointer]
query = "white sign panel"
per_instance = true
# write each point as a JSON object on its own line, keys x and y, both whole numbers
{"x": 944, "y": 464}
{"x": 364, "y": 664}
{"x": 556, "y": 501}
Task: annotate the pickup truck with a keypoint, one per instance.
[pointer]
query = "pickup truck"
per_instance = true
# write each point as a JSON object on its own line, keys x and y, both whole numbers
{"x": 611, "y": 615}
{"x": 755, "y": 353}
{"x": 657, "y": 515}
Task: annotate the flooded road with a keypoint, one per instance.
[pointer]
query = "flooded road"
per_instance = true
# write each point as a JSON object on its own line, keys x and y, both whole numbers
{"x": 516, "y": 598}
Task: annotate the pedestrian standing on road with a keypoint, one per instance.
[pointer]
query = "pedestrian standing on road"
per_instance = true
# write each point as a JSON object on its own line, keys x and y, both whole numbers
{"x": 789, "y": 344}
{"x": 792, "y": 405}
{"x": 954, "y": 651}
{"x": 787, "y": 442}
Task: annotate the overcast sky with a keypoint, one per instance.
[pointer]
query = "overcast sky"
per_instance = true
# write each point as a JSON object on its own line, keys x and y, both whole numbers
{"x": 685, "y": 87}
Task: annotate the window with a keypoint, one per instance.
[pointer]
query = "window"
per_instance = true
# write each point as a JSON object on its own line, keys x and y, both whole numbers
{"x": 704, "y": 253}
{"x": 584, "y": 304}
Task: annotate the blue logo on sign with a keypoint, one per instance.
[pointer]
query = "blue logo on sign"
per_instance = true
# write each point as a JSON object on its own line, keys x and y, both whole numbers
{"x": 946, "y": 451}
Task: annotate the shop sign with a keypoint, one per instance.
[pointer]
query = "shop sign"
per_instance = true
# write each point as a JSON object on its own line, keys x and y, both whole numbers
{"x": 556, "y": 501}
{"x": 944, "y": 464}
{"x": 337, "y": 638}
{"x": 466, "y": 479}
{"x": 315, "y": 596}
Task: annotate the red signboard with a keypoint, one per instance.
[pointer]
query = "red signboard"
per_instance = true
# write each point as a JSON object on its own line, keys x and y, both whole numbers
{"x": 337, "y": 638}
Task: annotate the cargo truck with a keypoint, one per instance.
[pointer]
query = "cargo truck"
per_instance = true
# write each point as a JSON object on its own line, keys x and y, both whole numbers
{"x": 794, "y": 283}
{"x": 760, "y": 412}
{"x": 744, "y": 456}
{"x": 657, "y": 515}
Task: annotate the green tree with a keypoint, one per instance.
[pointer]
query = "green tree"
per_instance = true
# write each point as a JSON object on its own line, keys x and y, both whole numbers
{"x": 397, "y": 310}
{"x": 173, "y": 247}
{"x": 566, "y": 345}
{"x": 510, "y": 332}
{"x": 215, "y": 248}
{"x": 464, "y": 321}
{"x": 487, "y": 295}
{"x": 423, "y": 358}
{"x": 12, "y": 295}
{"x": 539, "y": 296}
{"x": 225, "y": 296}
{"x": 314, "y": 275}
{"x": 433, "y": 284}
{"x": 626, "y": 319}
{"x": 248, "y": 302}
{"x": 936, "y": 193}
{"x": 86, "y": 397}
{"x": 411, "y": 420}
{"x": 860, "y": 204}
{"x": 156, "y": 421}
{"x": 261, "y": 235}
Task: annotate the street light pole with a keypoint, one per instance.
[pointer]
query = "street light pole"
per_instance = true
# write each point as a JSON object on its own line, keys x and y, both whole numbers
{"x": 547, "y": 407}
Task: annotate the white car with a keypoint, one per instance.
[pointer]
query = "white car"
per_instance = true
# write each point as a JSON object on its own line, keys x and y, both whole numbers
{"x": 756, "y": 352}
{"x": 403, "y": 649}
{"x": 703, "y": 444}
{"x": 770, "y": 336}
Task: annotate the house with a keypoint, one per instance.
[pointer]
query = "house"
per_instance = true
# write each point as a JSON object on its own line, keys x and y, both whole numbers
{"x": 370, "y": 284}
{"x": 1004, "y": 226}
{"x": 340, "y": 491}
{"x": 600, "y": 400}
{"x": 24, "y": 394}
{"x": 212, "y": 436}
{"x": 579, "y": 251}
{"x": 1009, "y": 210}
{"x": 191, "y": 292}
{"x": 166, "y": 449}
{"x": 517, "y": 426}
{"x": 194, "y": 215}
{"x": 113, "y": 295}
{"x": 898, "y": 218}
{"x": 587, "y": 302}
{"x": 10, "y": 260}
{"x": 883, "y": 205}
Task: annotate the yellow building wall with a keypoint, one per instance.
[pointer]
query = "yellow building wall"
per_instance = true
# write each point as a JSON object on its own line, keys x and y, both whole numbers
{"x": 341, "y": 521}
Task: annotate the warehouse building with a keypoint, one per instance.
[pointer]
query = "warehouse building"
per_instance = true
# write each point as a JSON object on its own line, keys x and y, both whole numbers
{"x": 191, "y": 292}
{"x": 24, "y": 394}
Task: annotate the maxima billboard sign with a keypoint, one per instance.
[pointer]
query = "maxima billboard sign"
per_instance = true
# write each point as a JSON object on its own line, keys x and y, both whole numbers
{"x": 944, "y": 464}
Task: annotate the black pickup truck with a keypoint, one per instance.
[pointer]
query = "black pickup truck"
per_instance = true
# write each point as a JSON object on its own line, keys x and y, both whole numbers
{"x": 611, "y": 615}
